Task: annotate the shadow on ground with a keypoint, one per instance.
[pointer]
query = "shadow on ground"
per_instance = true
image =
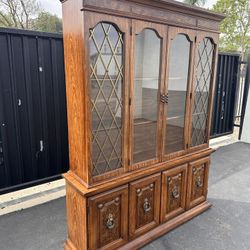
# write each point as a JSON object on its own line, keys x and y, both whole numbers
{"x": 225, "y": 226}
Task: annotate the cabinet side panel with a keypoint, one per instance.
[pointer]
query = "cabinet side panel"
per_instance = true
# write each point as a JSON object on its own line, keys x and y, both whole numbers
{"x": 74, "y": 53}
{"x": 76, "y": 218}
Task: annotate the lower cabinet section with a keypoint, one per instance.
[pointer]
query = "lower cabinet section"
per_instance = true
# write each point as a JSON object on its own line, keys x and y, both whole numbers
{"x": 125, "y": 213}
{"x": 108, "y": 219}
{"x": 144, "y": 205}
{"x": 173, "y": 197}
{"x": 197, "y": 182}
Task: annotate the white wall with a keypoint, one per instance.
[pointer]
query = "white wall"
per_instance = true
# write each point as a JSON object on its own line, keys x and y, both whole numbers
{"x": 246, "y": 126}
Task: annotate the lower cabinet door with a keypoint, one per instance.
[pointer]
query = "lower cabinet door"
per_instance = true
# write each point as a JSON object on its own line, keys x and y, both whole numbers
{"x": 108, "y": 219}
{"x": 173, "y": 198}
{"x": 197, "y": 182}
{"x": 144, "y": 208}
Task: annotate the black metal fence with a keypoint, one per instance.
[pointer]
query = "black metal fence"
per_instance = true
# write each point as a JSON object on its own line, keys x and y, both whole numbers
{"x": 228, "y": 74}
{"x": 33, "y": 124}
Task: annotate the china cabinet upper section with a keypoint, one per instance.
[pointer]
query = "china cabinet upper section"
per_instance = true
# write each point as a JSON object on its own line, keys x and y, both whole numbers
{"x": 140, "y": 78}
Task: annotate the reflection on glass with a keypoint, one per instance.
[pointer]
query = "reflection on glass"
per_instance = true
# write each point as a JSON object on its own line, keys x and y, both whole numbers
{"x": 106, "y": 75}
{"x": 177, "y": 90}
{"x": 201, "y": 91}
{"x": 146, "y": 82}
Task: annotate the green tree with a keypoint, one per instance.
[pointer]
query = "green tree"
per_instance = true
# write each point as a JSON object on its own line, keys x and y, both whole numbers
{"x": 47, "y": 23}
{"x": 18, "y": 13}
{"x": 195, "y": 2}
{"x": 235, "y": 28}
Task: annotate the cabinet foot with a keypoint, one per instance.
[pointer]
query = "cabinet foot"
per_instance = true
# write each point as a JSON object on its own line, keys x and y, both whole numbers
{"x": 68, "y": 245}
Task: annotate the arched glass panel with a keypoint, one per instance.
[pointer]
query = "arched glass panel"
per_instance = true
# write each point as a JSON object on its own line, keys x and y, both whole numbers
{"x": 106, "y": 80}
{"x": 146, "y": 84}
{"x": 201, "y": 92}
{"x": 177, "y": 91}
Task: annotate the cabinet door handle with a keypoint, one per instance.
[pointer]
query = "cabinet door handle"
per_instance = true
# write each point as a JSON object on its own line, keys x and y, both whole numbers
{"x": 146, "y": 206}
{"x": 164, "y": 98}
{"x": 199, "y": 183}
{"x": 175, "y": 193}
{"x": 110, "y": 223}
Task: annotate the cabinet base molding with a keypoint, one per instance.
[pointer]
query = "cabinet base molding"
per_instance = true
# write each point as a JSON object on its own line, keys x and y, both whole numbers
{"x": 166, "y": 227}
{"x": 158, "y": 231}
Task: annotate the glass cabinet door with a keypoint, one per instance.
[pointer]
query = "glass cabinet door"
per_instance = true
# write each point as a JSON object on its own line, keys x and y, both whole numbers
{"x": 147, "y": 82}
{"x": 202, "y": 91}
{"x": 108, "y": 42}
{"x": 178, "y": 88}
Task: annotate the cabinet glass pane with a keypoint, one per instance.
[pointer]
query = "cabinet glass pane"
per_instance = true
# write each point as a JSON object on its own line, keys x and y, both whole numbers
{"x": 106, "y": 80}
{"x": 201, "y": 92}
{"x": 146, "y": 82}
{"x": 177, "y": 91}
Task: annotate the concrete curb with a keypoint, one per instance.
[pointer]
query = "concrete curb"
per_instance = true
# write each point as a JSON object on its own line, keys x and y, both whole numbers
{"x": 32, "y": 196}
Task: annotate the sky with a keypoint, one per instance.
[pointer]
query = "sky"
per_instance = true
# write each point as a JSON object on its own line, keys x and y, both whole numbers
{"x": 54, "y": 6}
{"x": 209, "y": 3}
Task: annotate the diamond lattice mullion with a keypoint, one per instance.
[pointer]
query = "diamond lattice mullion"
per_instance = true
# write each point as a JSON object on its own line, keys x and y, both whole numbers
{"x": 106, "y": 31}
{"x": 204, "y": 70}
{"x": 113, "y": 148}
{"x": 202, "y": 109}
{"x": 114, "y": 119}
{"x": 114, "y": 151}
{"x": 102, "y": 146}
{"x": 201, "y": 89}
{"x": 200, "y": 54}
{"x": 105, "y": 108}
{"x": 114, "y": 51}
{"x": 119, "y": 42}
{"x": 100, "y": 53}
{"x": 109, "y": 137}
{"x": 114, "y": 89}
{"x": 98, "y": 49}
{"x": 101, "y": 153}
{"x": 204, "y": 87}
{"x": 205, "y": 78}
{"x": 200, "y": 136}
{"x": 117, "y": 97}
{"x": 106, "y": 131}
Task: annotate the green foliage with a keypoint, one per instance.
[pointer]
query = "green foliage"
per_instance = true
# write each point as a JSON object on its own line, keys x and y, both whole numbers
{"x": 47, "y": 22}
{"x": 5, "y": 20}
{"x": 27, "y": 14}
{"x": 235, "y": 28}
{"x": 195, "y": 2}
{"x": 18, "y": 13}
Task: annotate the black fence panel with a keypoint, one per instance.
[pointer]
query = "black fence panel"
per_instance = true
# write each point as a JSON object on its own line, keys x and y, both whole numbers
{"x": 33, "y": 119}
{"x": 225, "y": 94}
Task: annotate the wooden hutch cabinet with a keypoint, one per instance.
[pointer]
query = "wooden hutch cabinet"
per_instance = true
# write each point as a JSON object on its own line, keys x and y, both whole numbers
{"x": 140, "y": 78}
